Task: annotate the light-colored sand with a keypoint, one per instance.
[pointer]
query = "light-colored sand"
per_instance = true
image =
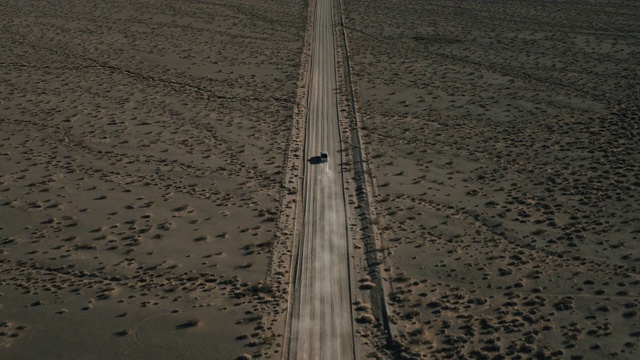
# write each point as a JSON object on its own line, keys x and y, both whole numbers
{"x": 142, "y": 147}
{"x": 504, "y": 139}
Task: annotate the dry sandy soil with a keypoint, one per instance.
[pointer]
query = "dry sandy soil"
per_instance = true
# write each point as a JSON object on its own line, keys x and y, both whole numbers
{"x": 142, "y": 152}
{"x": 504, "y": 139}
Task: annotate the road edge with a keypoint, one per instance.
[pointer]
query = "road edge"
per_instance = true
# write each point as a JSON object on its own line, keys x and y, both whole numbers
{"x": 281, "y": 272}
{"x": 366, "y": 190}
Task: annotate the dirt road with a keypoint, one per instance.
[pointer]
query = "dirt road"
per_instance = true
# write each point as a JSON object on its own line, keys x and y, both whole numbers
{"x": 321, "y": 322}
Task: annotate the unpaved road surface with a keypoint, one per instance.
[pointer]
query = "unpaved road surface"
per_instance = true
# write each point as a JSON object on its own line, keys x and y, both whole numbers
{"x": 321, "y": 322}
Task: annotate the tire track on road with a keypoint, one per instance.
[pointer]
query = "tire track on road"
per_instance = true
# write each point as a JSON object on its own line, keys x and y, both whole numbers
{"x": 322, "y": 320}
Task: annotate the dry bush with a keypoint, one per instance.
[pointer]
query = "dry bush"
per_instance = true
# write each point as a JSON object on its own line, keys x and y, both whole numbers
{"x": 188, "y": 324}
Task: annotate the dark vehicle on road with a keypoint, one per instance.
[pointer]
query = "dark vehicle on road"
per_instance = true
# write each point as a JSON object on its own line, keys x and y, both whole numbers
{"x": 324, "y": 157}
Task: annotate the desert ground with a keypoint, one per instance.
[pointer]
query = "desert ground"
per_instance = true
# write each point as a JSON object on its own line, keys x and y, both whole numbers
{"x": 151, "y": 162}
{"x": 504, "y": 140}
{"x": 141, "y": 155}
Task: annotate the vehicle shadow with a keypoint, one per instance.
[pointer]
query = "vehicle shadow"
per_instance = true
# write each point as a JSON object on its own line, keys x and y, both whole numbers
{"x": 314, "y": 160}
